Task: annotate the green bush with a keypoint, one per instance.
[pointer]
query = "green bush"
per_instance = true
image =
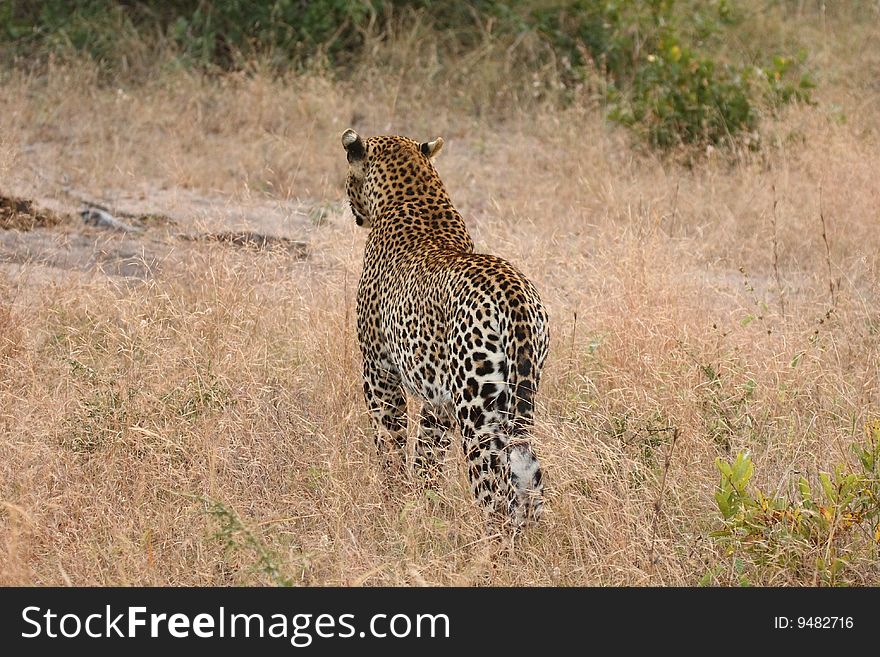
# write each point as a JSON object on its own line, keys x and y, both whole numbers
{"x": 286, "y": 30}
{"x": 819, "y": 534}
{"x": 781, "y": 88}
{"x": 220, "y": 33}
{"x": 93, "y": 27}
{"x": 662, "y": 80}
{"x": 605, "y": 34}
{"x": 678, "y": 96}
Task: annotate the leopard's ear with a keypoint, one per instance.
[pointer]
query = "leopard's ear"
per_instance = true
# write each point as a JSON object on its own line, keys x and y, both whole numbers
{"x": 353, "y": 145}
{"x": 431, "y": 148}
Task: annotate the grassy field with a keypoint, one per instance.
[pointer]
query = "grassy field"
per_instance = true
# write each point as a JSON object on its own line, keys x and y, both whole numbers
{"x": 185, "y": 412}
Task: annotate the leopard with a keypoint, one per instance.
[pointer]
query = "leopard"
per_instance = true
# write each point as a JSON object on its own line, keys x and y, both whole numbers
{"x": 465, "y": 332}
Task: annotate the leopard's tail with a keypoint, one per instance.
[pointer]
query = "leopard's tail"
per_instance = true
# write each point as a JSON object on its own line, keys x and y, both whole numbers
{"x": 528, "y": 342}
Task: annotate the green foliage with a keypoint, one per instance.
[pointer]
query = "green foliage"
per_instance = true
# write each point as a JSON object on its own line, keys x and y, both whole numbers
{"x": 731, "y": 496}
{"x": 781, "y": 89}
{"x": 817, "y": 533}
{"x": 657, "y": 61}
{"x": 290, "y": 30}
{"x": 94, "y": 27}
{"x": 680, "y": 97}
{"x": 596, "y": 32}
{"x": 221, "y": 33}
{"x": 663, "y": 80}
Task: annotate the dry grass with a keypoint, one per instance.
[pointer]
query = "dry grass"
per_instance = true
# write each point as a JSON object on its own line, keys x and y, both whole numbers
{"x": 129, "y": 405}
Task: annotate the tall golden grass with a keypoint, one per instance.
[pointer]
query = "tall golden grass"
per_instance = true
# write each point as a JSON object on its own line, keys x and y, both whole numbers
{"x": 137, "y": 413}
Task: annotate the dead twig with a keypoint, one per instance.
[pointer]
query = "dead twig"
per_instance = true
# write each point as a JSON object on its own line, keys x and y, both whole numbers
{"x": 658, "y": 504}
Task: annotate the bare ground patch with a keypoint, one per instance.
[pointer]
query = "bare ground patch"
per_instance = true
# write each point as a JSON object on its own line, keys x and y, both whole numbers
{"x": 138, "y": 238}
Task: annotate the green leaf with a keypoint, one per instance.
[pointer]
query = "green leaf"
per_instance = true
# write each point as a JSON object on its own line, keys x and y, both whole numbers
{"x": 805, "y": 490}
{"x": 828, "y": 487}
{"x": 866, "y": 457}
{"x": 723, "y": 467}
{"x": 742, "y": 471}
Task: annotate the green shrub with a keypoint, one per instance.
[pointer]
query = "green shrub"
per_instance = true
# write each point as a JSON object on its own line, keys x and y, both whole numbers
{"x": 678, "y": 97}
{"x": 663, "y": 80}
{"x": 781, "y": 88}
{"x": 819, "y": 533}
{"x": 219, "y": 33}
{"x": 288, "y": 30}
{"x": 605, "y": 34}
{"x": 93, "y": 27}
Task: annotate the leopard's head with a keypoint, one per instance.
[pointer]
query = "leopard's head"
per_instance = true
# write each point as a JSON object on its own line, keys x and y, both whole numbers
{"x": 383, "y": 169}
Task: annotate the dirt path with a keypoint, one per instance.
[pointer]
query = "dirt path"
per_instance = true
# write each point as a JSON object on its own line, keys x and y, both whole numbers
{"x": 135, "y": 235}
